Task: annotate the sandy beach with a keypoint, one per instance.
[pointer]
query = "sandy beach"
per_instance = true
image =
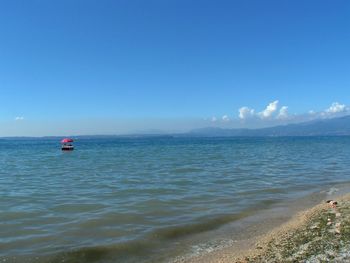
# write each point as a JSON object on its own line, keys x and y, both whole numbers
{"x": 318, "y": 234}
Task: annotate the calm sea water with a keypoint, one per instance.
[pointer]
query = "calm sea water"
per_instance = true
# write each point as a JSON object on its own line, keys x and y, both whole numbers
{"x": 127, "y": 199}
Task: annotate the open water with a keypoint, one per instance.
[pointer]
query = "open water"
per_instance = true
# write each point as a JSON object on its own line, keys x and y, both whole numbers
{"x": 135, "y": 199}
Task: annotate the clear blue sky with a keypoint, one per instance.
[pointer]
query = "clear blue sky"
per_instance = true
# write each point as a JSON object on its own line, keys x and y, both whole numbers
{"x": 131, "y": 65}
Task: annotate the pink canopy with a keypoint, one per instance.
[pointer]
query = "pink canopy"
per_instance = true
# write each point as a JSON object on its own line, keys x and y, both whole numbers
{"x": 67, "y": 140}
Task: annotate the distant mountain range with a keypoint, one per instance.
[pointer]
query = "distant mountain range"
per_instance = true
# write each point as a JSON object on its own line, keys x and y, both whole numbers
{"x": 321, "y": 127}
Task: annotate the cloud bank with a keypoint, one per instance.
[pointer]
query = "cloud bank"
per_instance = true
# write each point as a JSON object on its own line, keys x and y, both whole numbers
{"x": 274, "y": 114}
{"x": 271, "y": 111}
{"x": 336, "y": 108}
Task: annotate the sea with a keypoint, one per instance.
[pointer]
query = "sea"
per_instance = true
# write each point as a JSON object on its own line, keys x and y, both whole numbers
{"x": 153, "y": 199}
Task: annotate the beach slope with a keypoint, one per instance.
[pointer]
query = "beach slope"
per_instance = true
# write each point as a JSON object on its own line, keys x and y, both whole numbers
{"x": 319, "y": 234}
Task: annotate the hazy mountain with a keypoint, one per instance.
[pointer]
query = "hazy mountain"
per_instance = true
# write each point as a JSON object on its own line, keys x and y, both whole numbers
{"x": 321, "y": 127}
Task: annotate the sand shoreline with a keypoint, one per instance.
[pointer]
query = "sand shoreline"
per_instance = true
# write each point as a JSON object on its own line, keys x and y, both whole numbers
{"x": 306, "y": 230}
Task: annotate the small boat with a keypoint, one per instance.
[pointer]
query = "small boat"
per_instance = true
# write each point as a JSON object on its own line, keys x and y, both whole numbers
{"x": 67, "y": 144}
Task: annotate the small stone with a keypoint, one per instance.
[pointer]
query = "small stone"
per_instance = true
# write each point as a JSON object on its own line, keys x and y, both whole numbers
{"x": 337, "y": 224}
{"x": 338, "y": 215}
{"x": 332, "y": 203}
{"x": 329, "y": 223}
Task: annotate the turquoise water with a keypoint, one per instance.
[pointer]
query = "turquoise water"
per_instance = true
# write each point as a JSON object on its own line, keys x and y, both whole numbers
{"x": 128, "y": 199}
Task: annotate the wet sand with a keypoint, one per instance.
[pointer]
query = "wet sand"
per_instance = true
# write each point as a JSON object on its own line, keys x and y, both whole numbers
{"x": 317, "y": 234}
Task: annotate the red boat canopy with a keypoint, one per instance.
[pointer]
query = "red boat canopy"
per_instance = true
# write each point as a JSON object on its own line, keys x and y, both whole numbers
{"x": 67, "y": 140}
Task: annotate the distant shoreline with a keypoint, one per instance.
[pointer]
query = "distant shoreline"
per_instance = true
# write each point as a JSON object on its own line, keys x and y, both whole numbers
{"x": 337, "y": 126}
{"x": 168, "y": 136}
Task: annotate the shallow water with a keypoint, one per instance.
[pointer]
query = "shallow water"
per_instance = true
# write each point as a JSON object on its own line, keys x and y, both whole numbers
{"x": 128, "y": 199}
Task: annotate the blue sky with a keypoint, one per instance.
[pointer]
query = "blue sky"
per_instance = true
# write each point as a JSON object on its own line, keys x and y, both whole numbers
{"x": 86, "y": 67}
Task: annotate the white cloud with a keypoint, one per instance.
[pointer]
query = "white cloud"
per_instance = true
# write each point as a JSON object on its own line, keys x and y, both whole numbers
{"x": 267, "y": 113}
{"x": 225, "y": 118}
{"x": 19, "y": 118}
{"x": 214, "y": 119}
{"x": 269, "y": 110}
{"x": 245, "y": 113}
{"x": 283, "y": 113}
{"x": 336, "y": 108}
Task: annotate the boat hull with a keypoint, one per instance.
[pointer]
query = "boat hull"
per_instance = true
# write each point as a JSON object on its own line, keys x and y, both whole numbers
{"x": 67, "y": 148}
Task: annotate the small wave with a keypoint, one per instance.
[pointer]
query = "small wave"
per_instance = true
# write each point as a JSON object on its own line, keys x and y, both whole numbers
{"x": 204, "y": 248}
{"x": 203, "y": 225}
{"x": 332, "y": 191}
